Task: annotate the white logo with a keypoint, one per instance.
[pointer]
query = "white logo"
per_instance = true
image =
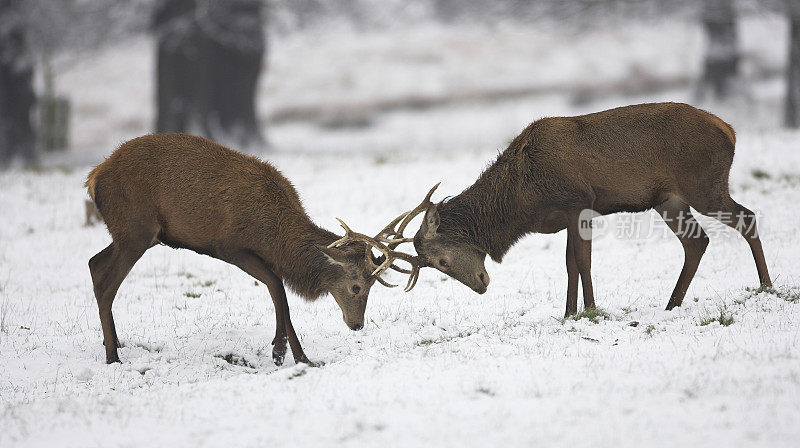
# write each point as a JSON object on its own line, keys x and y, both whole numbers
{"x": 591, "y": 224}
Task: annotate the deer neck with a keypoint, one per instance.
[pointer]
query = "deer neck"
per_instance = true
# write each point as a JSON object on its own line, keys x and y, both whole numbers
{"x": 487, "y": 214}
{"x": 304, "y": 268}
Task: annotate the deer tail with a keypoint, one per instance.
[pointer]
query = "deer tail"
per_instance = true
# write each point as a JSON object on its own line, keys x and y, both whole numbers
{"x": 91, "y": 182}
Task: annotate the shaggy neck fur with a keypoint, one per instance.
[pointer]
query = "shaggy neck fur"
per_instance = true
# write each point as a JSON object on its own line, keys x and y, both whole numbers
{"x": 302, "y": 265}
{"x": 487, "y": 214}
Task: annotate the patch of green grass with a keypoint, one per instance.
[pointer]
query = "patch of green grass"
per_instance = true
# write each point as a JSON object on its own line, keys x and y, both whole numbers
{"x": 485, "y": 390}
{"x": 346, "y": 121}
{"x": 427, "y": 342}
{"x": 760, "y": 174}
{"x": 792, "y": 179}
{"x": 209, "y": 283}
{"x": 192, "y": 295}
{"x": 791, "y": 295}
{"x": 593, "y": 314}
{"x": 755, "y": 291}
{"x": 724, "y": 318}
{"x": 380, "y": 159}
{"x": 650, "y": 330}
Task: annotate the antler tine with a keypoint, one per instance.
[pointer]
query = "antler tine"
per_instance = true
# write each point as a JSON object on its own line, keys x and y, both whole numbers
{"x": 348, "y": 236}
{"x": 412, "y": 279}
{"x": 394, "y": 255}
{"x": 417, "y": 210}
{"x": 385, "y": 283}
{"x": 373, "y": 266}
{"x": 389, "y": 229}
{"x": 404, "y": 219}
{"x": 399, "y": 269}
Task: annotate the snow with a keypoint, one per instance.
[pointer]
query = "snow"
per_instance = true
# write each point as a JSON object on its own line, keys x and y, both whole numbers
{"x": 439, "y": 366}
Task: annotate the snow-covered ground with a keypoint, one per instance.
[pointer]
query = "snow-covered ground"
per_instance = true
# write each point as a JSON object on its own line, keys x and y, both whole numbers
{"x": 439, "y": 366}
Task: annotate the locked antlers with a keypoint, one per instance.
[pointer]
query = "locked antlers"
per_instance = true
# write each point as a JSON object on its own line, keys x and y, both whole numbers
{"x": 394, "y": 237}
{"x": 380, "y": 265}
{"x": 386, "y": 241}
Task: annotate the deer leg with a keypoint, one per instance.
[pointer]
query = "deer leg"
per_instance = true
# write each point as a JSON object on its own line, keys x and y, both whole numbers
{"x": 279, "y": 341}
{"x": 256, "y": 268}
{"x": 109, "y": 268}
{"x": 114, "y": 334}
{"x": 582, "y": 249}
{"x": 276, "y": 289}
{"x": 743, "y": 220}
{"x": 679, "y": 218}
{"x": 97, "y": 267}
{"x": 572, "y": 281}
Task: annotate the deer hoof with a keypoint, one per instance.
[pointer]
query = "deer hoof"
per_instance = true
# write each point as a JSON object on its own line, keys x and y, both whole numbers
{"x": 671, "y": 305}
{"x": 279, "y": 350}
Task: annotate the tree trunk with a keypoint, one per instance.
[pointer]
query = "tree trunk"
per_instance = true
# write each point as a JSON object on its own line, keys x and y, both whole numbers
{"x": 178, "y": 60}
{"x": 720, "y": 68}
{"x": 234, "y": 33}
{"x": 209, "y": 59}
{"x": 792, "y": 105}
{"x": 17, "y": 96}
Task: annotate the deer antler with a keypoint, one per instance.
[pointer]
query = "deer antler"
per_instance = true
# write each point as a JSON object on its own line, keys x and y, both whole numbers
{"x": 389, "y": 256}
{"x": 394, "y": 237}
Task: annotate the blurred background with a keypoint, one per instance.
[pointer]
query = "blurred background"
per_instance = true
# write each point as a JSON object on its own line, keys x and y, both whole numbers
{"x": 385, "y": 77}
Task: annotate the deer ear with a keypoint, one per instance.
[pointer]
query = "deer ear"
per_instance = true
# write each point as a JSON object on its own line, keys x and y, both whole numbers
{"x": 431, "y": 222}
{"x": 333, "y": 255}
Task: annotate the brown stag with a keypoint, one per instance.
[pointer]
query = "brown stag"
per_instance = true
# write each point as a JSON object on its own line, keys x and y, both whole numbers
{"x": 663, "y": 156}
{"x": 188, "y": 192}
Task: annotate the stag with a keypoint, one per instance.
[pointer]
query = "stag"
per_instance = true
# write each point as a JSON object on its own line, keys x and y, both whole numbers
{"x": 187, "y": 192}
{"x": 561, "y": 171}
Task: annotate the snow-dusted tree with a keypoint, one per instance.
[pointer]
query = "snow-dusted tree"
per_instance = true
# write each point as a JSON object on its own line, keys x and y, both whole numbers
{"x": 720, "y": 68}
{"x": 16, "y": 86}
{"x": 792, "y": 105}
{"x": 209, "y": 59}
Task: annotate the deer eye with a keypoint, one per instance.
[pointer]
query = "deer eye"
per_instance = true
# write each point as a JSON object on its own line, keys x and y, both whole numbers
{"x": 356, "y": 289}
{"x": 443, "y": 263}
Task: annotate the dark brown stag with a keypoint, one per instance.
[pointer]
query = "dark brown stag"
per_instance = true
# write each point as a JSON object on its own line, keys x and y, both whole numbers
{"x": 559, "y": 171}
{"x": 188, "y": 192}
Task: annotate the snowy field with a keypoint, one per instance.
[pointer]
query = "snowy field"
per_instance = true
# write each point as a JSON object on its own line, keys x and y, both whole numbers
{"x": 439, "y": 366}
